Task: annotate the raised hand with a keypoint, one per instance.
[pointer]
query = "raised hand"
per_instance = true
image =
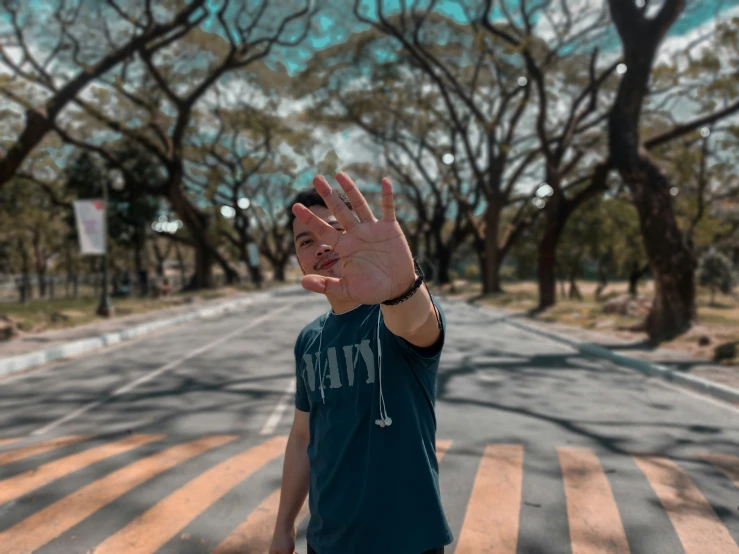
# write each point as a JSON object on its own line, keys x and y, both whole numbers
{"x": 377, "y": 263}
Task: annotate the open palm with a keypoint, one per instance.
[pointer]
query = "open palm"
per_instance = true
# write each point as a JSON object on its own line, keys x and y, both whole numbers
{"x": 377, "y": 261}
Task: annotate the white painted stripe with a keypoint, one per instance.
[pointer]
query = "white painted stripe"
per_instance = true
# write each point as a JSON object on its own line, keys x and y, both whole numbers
{"x": 274, "y": 419}
{"x": 157, "y": 372}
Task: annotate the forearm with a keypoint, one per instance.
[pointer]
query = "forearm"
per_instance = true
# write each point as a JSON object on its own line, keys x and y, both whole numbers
{"x": 295, "y": 477}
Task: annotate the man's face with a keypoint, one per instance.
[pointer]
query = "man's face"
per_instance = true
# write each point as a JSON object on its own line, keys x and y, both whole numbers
{"x": 314, "y": 255}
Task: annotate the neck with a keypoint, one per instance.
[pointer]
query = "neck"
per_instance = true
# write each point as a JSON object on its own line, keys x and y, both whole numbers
{"x": 341, "y": 306}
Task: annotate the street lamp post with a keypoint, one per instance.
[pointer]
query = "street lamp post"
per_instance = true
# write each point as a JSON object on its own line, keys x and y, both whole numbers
{"x": 105, "y": 308}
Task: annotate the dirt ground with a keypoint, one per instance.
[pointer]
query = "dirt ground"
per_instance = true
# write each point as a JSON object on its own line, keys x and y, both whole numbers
{"x": 718, "y": 326}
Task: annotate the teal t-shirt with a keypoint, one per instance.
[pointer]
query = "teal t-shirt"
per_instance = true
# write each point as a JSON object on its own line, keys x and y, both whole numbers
{"x": 372, "y": 490}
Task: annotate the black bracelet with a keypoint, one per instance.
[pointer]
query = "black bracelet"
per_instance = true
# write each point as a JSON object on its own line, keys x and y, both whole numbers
{"x": 405, "y": 296}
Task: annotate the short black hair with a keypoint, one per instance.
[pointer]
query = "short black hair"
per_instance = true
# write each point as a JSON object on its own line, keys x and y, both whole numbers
{"x": 309, "y": 197}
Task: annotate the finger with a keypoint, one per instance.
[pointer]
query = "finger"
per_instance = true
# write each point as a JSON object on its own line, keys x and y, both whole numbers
{"x": 318, "y": 227}
{"x": 359, "y": 204}
{"x": 335, "y": 205}
{"x": 388, "y": 204}
{"x": 325, "y": 285}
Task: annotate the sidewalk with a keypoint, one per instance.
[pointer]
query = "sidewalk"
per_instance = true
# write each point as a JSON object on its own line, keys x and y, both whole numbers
{"x": 673, "y": 359}
{"x": 28, "y": 343}
{"x": 31, "y": 350}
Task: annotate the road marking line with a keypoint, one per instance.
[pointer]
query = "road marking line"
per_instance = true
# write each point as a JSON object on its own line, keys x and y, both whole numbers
{"x": 20, "y": 484}
{"x": 699, "y": 528}
{"x": 595, "y": 522}
{"x": 34, "y": 449}
{"x": 47, "y": 524}
{"x": 729, "y": 465}
{"x": 274, "y": 419}
{"x": 442, "y": 447}
{"x": 157, "y": 372}
{"x": 254, "y": 534}
{"x": 492, "y": 516}
{"x": 152, "y": 529}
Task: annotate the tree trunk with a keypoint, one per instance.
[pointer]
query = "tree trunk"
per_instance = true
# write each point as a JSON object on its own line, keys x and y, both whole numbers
{"x": 574, "y": 291}
{"x": 279, "y": 270}
{"x": 491, "y": 261}
{"x": 547, "y": 266}
{"x": 602, "y": 278}
{"x": 25, "y": 286}
{"x": 444, "y": 260}
{"x": 634, "y": 276}
{"x": 41, "y": 276}
{"x": 180, "y": 263}
{"x": 202, "y": 277}
{"x": 671, "y": 261}
{"x": 40, "y": 263}
{"x": 138, "y": 262}
{"x": 442, "y": 257}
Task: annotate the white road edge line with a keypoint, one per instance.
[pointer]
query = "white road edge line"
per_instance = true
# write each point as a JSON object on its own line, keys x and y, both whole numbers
{"x": 274, "y": 419}
{"x": 157, "y": 372}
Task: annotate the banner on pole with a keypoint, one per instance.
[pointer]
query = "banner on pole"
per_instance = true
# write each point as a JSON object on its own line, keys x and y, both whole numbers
{"x": 89, "y": 215}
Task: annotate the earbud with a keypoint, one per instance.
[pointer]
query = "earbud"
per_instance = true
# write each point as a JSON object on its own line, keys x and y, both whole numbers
{"x": 380, "y": 423}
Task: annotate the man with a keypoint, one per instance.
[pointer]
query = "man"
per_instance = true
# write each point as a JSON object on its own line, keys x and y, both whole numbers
{"x": 373, "y": 478}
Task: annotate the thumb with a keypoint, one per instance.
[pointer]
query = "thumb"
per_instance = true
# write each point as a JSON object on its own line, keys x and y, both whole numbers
{"x": 325, "y": 285}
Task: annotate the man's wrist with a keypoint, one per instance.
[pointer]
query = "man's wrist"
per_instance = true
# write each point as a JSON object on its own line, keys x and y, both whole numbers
{"x": 409, "y": 292}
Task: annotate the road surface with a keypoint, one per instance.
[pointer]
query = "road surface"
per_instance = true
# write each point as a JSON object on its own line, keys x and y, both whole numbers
{"x": 173, "y": 444}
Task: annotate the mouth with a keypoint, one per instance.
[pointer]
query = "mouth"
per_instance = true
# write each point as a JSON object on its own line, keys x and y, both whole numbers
{"x": 329, "y": 264}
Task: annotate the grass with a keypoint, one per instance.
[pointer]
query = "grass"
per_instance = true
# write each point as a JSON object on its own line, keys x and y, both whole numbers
{"x": 719, "y": 322}
{"x": 45, "y": 315}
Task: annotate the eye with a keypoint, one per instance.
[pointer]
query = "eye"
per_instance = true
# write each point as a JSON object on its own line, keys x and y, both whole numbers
{"x": 306, "y": 241}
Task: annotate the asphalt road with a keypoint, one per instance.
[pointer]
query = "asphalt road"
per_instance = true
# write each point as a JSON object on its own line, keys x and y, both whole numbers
{"x": 173, "y": 444}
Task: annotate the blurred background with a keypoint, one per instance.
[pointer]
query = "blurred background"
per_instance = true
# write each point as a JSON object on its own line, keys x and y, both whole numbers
{"x": 574, "y": 160}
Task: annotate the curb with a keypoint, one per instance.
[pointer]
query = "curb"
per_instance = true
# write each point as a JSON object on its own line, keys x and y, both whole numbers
{"x": 698, "y": 384}
{"x": 27, "y": 361}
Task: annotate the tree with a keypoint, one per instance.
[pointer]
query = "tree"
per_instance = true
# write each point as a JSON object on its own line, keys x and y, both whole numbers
{"x": 31, "y": 232}
{"x": 716, "y": 273}
{"x": 55, "y": 73}
{"x": 571, "y": 107}
{"x": 477, "y": 98}
{"x": 671, "y": 259}
{"x": 162, "y": 101}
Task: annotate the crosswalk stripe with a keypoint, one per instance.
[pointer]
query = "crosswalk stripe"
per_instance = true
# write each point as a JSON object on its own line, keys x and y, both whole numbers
{"x": 254, "y": 534}
{"x": 442, "y": 447}
{"x": 729, "y": 465}
{"x": 23, "y": 483}
{"x": 699, "y": 528}
{"x": 47, "y": 524}
{"x": 148, "y": 532}
{"x": 35, "y": 449}
{"x": 595, "y": 523}
{"x": 491, "y": 520}
{"x": 6, "y": 442}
